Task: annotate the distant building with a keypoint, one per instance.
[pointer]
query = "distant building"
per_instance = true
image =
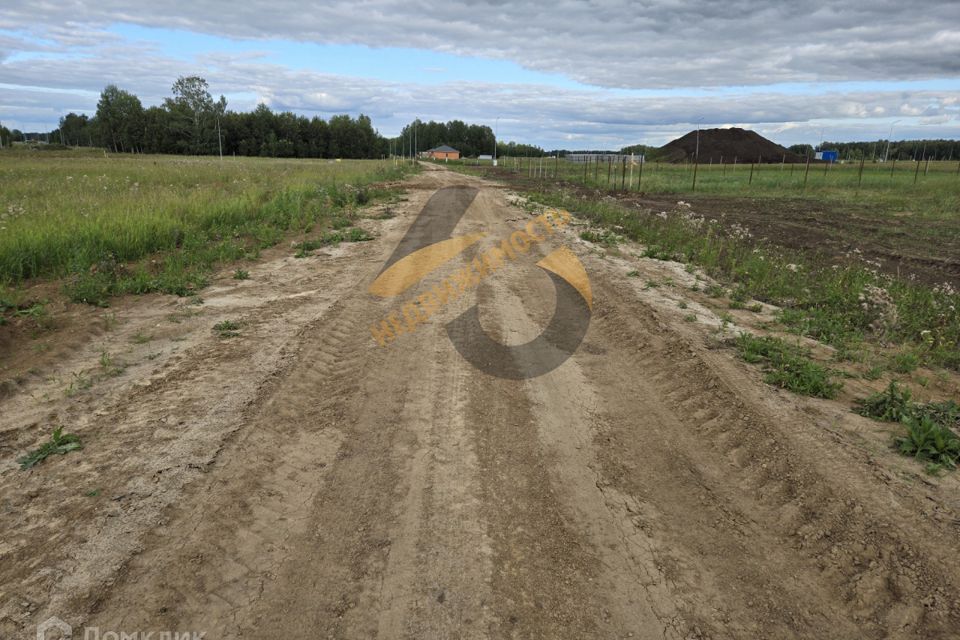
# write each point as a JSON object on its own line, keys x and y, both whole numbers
{"x": 443, "y": 152}
{"x": 485, "y": 156}
{"x": 604, "y": 157}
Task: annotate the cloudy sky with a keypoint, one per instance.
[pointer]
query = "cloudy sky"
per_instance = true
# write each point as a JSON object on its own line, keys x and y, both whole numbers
{"x": 598, "y": 74}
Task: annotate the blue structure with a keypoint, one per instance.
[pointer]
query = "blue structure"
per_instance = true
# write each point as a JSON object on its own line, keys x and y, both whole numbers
{"x": 829, "y": 156}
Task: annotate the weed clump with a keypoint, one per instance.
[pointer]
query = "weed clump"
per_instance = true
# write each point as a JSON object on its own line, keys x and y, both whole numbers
{"x": 353, "y": 234}
{"x": 928, "y": 434}
{"x": 788, "y": 366}
{"x": 929, "y": 441}
{"x": 602, "y": 236}
{"x": 892, "y": 404}
{"x": 60, "y": 443}
{"x": 227, "y": 329}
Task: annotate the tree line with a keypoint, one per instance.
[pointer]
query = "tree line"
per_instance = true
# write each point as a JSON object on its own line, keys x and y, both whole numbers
{"x": 192, "y": 122}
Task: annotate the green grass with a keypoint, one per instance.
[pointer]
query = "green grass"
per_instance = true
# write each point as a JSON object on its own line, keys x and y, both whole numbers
{"x": 895, "y": 404}
{"x": 845, "y": 306}
{"x": 227, "y": 328}
{"x": 136, "y": 224}
{"x": 788, "y": 366}
{"x": 80, "y": 382}
{"x": 60, "y": 443}
{"x": 934, "y": 194}
{"x": 926, "y": 440}
{"x": 927, "y": 427}
{"x": 353, "y": 234}
{"x": 892, "y": 404}
{"x": 601, "y": 236}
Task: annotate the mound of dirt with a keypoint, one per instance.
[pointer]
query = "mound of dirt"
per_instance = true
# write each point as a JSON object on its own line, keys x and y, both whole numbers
{"x": 723, "y": 145}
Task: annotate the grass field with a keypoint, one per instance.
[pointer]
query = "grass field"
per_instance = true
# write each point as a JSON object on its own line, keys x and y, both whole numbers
{"x": 95, "y": 219}
{"x": 929, "y": 189}
{"x": 833, "y": 292}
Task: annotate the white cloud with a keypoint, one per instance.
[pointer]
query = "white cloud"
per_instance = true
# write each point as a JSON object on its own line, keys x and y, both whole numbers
{"x": 660, "y": 43}
{"x": 678, "y": 44}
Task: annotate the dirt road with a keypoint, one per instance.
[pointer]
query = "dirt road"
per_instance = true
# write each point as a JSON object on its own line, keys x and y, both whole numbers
{"x": 301, "y": 481}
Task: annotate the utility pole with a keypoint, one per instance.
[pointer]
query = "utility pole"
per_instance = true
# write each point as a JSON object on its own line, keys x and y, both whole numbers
{"x": 219, "y": 140}
{"x": 697, "y": 153}
{"x": 496, "y": 128}
{"x": 886, "y": 154}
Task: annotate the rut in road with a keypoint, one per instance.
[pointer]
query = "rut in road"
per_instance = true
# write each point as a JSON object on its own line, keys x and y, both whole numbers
{"x": 649, "y": 487}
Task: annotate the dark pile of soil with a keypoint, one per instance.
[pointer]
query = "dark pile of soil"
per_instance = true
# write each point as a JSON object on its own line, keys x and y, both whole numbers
{"x": 746, "y": 146}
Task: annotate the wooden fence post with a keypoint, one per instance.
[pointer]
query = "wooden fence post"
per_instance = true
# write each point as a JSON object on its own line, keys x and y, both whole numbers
{"x": 860, "y": 176}
{"x": 916, "y": 174}
{"x": 750, "y": 181}
{"x": 806, "y": 172}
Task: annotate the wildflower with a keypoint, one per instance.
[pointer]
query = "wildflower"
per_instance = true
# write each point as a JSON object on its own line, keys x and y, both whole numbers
{"x": 879, "y": 307}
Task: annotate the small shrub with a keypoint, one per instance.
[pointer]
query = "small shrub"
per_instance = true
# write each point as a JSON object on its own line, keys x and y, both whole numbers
{"x": 240, "y": 274}
{"x": 891, "y": 405}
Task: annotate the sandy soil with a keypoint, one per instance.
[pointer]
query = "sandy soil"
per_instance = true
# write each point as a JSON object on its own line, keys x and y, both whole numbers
{"x": 301, "y": 481}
